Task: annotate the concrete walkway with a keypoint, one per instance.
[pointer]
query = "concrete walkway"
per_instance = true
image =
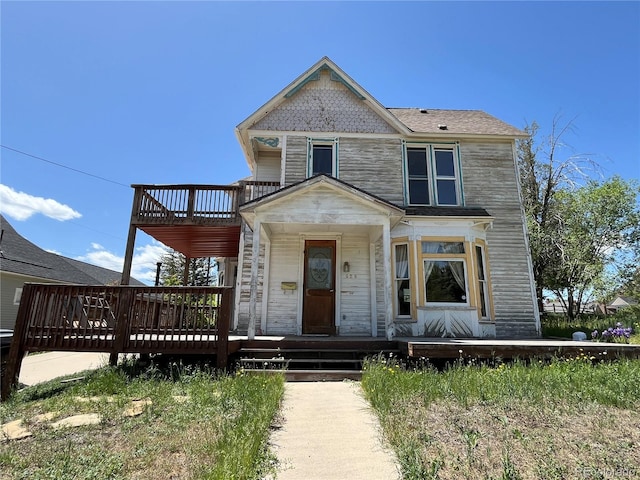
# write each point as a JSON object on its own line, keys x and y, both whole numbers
{"x": 330, "y": 432}
{"x": 328, "y": 429}
{"x": 42, "y": 367}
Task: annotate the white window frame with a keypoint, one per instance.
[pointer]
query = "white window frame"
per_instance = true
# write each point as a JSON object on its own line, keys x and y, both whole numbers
{"x": 432, "y": 177}
{"x": 333, "y": 143}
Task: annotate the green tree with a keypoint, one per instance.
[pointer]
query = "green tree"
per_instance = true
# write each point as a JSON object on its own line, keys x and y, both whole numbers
{"x": 596, "y": 229}
{"x": 201, "y": 270}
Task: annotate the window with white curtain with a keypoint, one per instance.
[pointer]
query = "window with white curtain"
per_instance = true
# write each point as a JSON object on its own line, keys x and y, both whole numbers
{"x": 445, "y": 272}
{"x": 402, "y": 281}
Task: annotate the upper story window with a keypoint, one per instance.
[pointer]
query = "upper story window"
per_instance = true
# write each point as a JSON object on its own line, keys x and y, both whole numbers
{"x": 322, "y": 157}
{"x": 433, "y": 176}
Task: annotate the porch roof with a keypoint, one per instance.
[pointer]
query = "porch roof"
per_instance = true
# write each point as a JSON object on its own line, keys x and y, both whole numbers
{"x": 324, "y": 213}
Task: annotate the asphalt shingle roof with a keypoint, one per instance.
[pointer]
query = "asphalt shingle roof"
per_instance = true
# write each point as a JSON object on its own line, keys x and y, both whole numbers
{"x": 18, "y": 255}
{"x": 457, "y": 122}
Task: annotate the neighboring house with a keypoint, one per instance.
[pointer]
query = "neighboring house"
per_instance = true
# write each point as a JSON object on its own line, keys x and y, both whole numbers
{"x": 621, "y": 302}
{"x": 362, "y": 220}
{"x": 21, "y": 261}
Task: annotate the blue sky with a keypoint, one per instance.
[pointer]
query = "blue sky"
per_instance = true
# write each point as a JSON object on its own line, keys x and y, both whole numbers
{"x": 150, "y": 92}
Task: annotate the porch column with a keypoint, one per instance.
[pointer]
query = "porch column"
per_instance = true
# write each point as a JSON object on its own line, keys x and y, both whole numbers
{"x": 388, "y": 283}
{"x": 253, "y": 285}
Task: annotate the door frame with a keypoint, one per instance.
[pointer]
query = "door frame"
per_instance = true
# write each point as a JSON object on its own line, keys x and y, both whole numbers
{"x": 337, "y": 237}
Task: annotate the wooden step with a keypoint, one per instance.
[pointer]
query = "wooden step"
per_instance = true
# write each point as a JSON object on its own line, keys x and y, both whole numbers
{"x": 313, "y": 375}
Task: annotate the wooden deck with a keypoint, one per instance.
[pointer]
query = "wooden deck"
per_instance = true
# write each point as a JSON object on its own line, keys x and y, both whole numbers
{"x": 452, "y": 348}
{"x": 195, "y": 320}
{"x": 196, "y": 220}
{"x": 444, "y": 348}
{"x": 120, "y": 319}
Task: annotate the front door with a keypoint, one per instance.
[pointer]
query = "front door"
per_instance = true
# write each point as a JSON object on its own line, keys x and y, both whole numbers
{"x": 318, "y": 313}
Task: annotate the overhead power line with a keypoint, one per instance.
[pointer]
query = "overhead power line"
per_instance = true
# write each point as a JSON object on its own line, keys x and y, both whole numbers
{"x": 65, "y": 166}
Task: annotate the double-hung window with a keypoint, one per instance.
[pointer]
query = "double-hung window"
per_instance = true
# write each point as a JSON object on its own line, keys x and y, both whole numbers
{"x": 433, "y": 176}
{"x": 445, "y": 272}
{"x": 322, "y": 157}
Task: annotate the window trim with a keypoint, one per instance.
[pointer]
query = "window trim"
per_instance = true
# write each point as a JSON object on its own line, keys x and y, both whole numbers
{"x": 432, "y": 177}
{"x": 463, "y": 257}
{"x": 333, "y": 143}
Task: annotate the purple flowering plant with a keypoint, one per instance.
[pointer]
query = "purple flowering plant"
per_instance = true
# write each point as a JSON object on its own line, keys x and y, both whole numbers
{"x": 617, "y": 334}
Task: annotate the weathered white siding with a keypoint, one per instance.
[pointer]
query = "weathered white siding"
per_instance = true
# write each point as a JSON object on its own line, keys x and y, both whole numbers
{"x": 490, "y": 181}
{"x": 374, "y": 165}
{"x": 355, "y": 288}
{"x": 324, "y": 105}
{"x": 268, "y": 168}
{"x": 323, "y": 205}
{"x": 244, "y": 279}
{"x": 282, "y": 308}
{"x": 296, "y": 161}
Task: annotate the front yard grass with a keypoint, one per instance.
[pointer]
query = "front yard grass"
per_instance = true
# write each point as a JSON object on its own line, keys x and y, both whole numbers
{"x": 191, "y": 424}
{"x": 565, "y": 419}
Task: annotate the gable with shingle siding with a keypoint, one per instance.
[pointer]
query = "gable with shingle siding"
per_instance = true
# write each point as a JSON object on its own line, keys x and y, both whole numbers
{"x": 324, "y": 105}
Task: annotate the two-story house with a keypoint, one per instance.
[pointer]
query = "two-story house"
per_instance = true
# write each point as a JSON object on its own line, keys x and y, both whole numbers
{"x": 387, "y": 222}
{"x": 360, "y": 220}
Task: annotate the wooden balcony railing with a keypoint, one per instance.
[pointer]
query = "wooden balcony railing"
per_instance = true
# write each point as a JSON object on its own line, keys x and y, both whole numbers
{"x": 195, "y": 204}
{"x": 120, "y": 319}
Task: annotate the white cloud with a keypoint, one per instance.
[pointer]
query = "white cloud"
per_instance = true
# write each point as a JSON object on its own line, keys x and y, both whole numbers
{"x": 143, "y": 265}
{"x": 21, "y": 206}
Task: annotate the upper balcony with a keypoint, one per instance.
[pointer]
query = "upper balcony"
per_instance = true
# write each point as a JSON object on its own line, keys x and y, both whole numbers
{"x": 196, "y": 220}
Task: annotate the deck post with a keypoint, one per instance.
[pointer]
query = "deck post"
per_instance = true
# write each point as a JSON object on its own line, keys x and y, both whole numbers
{"x": 131, "y": 238}
{"x": 122, "y": 324}
{"x": 185, "y": 273}
{"x": 16, "y": 353}
{"x": 222, "y": 342}
{"x": 253, "y": 286}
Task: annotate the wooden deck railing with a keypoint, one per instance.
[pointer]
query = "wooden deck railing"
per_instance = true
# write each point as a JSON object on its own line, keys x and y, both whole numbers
{"x": 195, "y": 204}
{"x": 120, "y": 319}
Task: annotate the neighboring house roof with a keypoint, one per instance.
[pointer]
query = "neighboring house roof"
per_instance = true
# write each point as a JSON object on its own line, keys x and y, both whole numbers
{"x": 622, "y": 300}
{"x": 18, "y": 255}
{"x": 454, "y": 122}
